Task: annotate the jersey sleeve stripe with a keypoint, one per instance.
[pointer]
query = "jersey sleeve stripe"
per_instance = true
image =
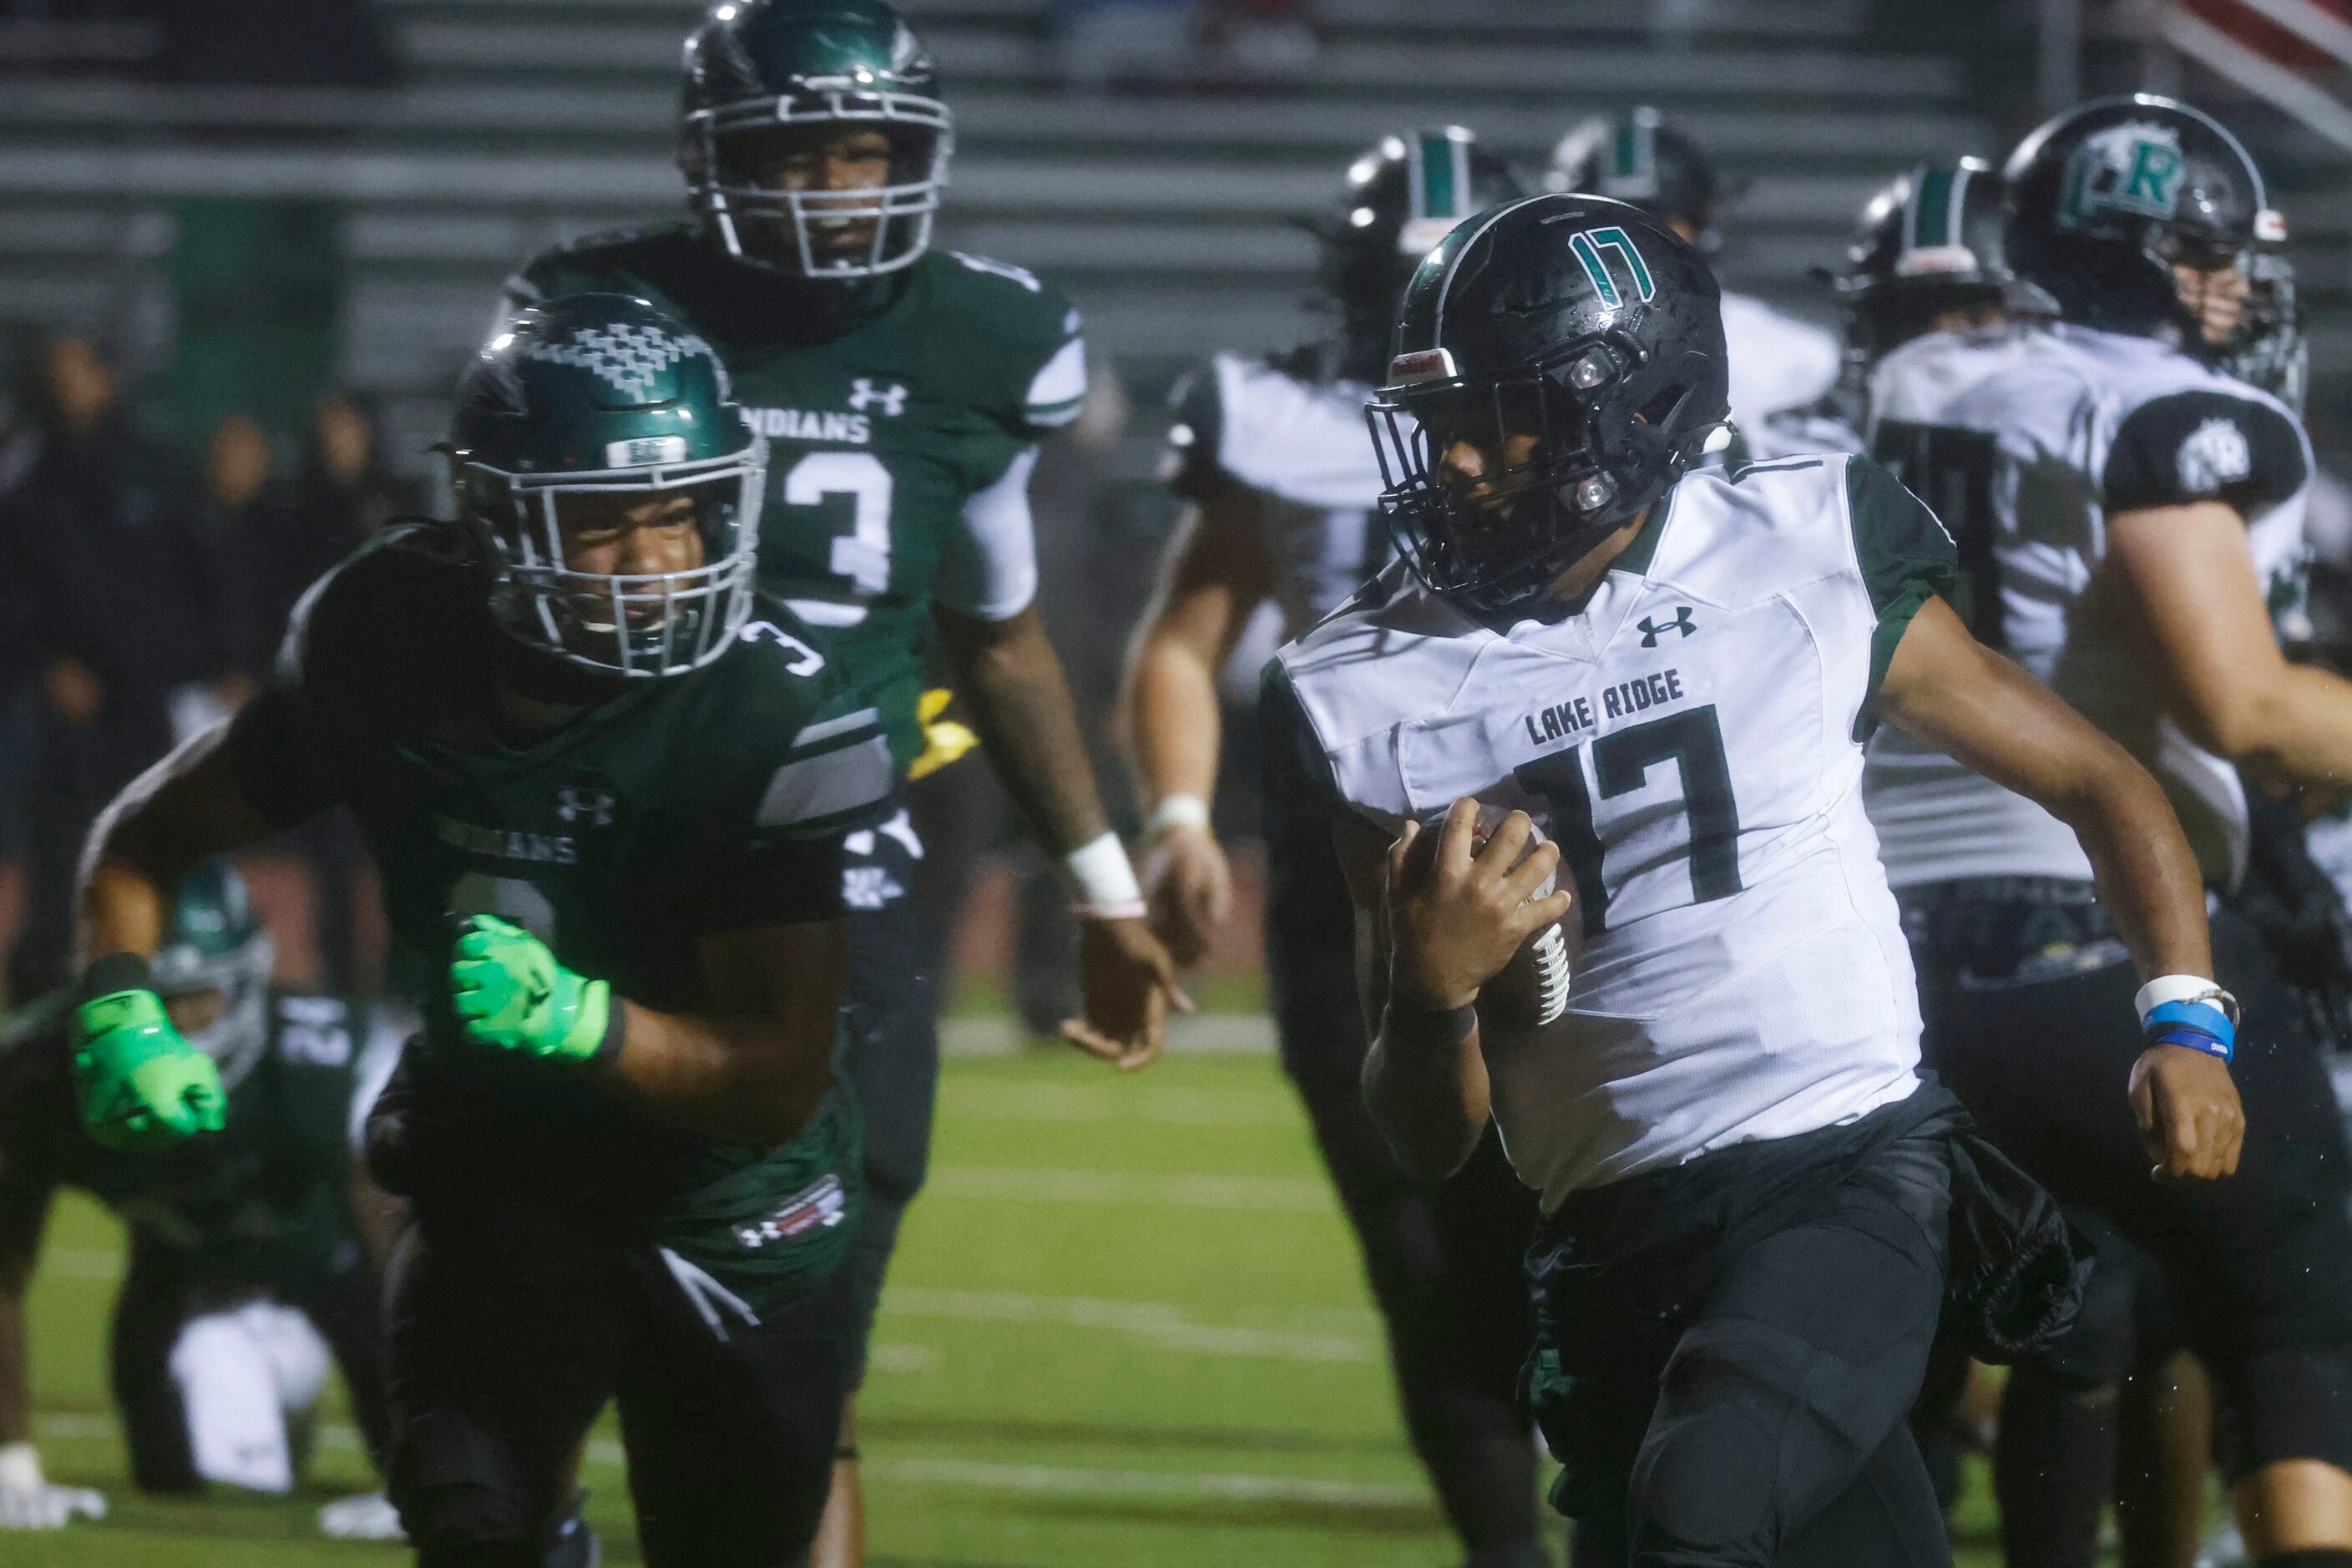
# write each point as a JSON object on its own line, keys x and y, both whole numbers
{"x": 828, "y": 728}
{"x": 831, "y": 784}
{"x": 1059, "y": 388}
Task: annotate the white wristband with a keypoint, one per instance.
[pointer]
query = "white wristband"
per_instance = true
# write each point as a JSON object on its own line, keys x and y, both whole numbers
{"x": 1176, "y": 810}
{"x": 1104, "y": 880}
{"x": 20, "y": 1466}
{"x": 2182, "y": 988}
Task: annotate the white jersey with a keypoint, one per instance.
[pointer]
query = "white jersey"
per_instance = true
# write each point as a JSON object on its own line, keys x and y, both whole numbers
{"x": 2023, "y": 439}
{"x": 1692, "y": 738}
{"x": 1776, "y": 362}
{"x": 1296, "y": 437}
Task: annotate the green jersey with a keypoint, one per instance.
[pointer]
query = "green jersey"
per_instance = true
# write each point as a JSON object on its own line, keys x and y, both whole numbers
{"x": 899, "y": 448}
{"x": 263, "y": 1204}
{"x": 665, "y": 810}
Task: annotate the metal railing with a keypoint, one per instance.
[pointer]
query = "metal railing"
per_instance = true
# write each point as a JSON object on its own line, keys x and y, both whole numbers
{"x": 2310, "y": 102}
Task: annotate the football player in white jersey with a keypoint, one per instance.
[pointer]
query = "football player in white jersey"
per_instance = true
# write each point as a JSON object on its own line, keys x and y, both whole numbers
{"x": 1776, "y": 360}
{"x": 1746, "y": 1185}
{"x": 1286, "y": 489}
{"x": 1924, "y": 259}
{"x": 2129, "y": 520}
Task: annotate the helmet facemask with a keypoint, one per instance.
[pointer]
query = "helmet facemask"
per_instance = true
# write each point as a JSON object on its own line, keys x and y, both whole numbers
{"x": 636, "y": 625}
{"x": 1565, "y": 451}
{"x": 732, "y": 156}
{"x": 234, "y": 1029}
{"x": 2274, "y": 351}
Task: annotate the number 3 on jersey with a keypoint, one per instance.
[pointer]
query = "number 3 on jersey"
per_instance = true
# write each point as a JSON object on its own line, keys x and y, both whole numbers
{"x": 1693, "y": 742}
{"x": 861, "y": 558}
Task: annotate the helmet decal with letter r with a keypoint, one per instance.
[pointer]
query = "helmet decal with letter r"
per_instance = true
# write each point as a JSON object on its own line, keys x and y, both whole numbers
{"x": 1558, "y": 365}
{"x": 593, "y": 416}
{"x": 216, "y": 948}
{"x": 1402, "y": 195}
{"x": 2110, "y": 204}
{"x": 813, "y": 136}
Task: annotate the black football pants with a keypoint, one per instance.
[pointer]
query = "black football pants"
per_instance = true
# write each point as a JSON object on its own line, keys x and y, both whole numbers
{"x": 1742, "y": 1403}
{"x": 511, "y": 1323}
{"x": 2259, "y": 1264}
{"x": 1447, "y": 1262}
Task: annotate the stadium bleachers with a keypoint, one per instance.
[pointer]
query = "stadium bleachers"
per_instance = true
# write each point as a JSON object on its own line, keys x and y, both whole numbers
{"x": 526, "y": 121}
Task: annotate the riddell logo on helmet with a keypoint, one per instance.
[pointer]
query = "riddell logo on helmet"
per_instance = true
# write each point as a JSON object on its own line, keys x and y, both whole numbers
{"x": 2134, "y": 168}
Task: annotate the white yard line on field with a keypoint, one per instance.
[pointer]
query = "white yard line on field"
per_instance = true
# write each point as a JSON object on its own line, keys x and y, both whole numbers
{"x": 1056, "y": 1479}
{"x": 1126, "y": 1189}
{"x": 1211, "y": 1034}
{"x": 1159, "y": 1323}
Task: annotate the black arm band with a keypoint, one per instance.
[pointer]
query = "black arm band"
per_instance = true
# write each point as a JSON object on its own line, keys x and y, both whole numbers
{"x": 1410, "y": 1026}
{"x": 116, "y": 971}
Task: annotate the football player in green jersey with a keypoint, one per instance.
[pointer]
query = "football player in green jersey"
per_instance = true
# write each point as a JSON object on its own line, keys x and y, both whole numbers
{"x": 246, "y": 1263}
{"x": 606, "y": 781}
{"x": 903, "y": 390}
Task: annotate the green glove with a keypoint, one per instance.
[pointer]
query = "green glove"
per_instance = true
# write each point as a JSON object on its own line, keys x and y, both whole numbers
{"x": 508, "y": 992}
{"x": 139, "y": 1086}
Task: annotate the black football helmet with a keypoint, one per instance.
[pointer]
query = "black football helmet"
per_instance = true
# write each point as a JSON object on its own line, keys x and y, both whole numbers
{"x": 1637, "y": 157}
{"x": 1929, "y": 244}
{"x": 765, "y": 78}
{"x": 1401, "y": 197}
{"x": 1559, "y": 364}
{"x": 2105, "y": 200}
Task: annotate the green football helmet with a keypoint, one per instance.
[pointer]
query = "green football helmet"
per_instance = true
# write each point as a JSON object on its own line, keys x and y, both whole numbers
{"x": 585, "y": 402}
{"x": 767, "y": 81}
{"x": 215, "y": 944}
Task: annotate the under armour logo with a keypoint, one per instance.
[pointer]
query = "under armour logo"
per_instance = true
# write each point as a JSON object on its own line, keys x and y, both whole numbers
{"x": 629, "y": 357}
{"x": 593, "y": 808}
{"x": 1651, "y": 631}
{"x": 862, "y": 396}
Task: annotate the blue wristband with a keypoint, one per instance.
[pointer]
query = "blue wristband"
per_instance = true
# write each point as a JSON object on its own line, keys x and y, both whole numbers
{"x": 2194, "y": 1039}
{"x": 2202, "y": 1016}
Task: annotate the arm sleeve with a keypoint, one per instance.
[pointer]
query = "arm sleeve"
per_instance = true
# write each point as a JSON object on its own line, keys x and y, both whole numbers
{"x": 1196, "y": 437}
{"x": 2204, "y": 445}
{"x": 1906, "y": 556}
{"x": 989, "y": 569}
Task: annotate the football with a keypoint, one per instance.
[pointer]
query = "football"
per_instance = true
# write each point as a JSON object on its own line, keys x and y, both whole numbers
{"x": 1532, "y": 989}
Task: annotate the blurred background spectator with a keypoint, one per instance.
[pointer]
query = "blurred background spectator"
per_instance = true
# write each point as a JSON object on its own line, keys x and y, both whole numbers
{"x": 114, "y": 600}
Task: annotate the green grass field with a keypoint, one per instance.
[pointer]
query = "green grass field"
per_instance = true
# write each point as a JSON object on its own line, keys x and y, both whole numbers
{"x": 1127, "y": 1327}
